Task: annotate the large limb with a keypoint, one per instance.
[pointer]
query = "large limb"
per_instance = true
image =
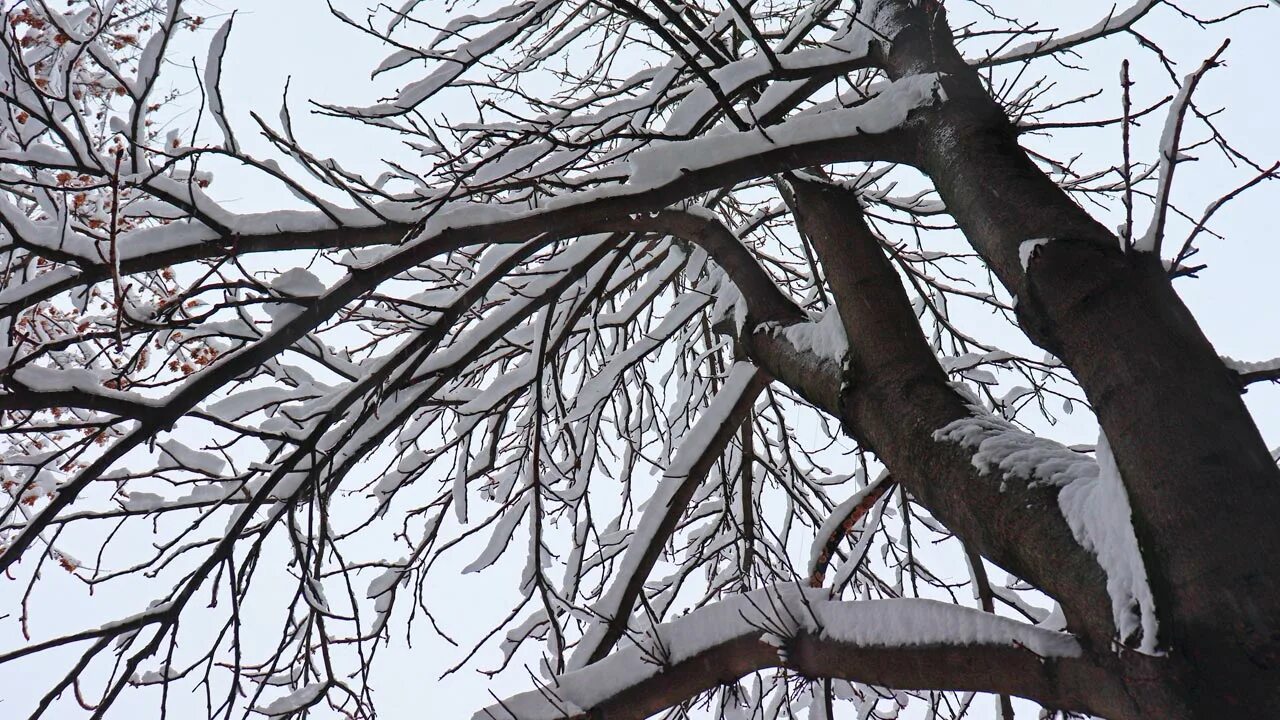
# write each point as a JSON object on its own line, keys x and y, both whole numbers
{"x": 897, "y": 396}
{"x": 81, "y": 273}
{"x": 1204, "y": 490}
{"x": 912, "y": 644}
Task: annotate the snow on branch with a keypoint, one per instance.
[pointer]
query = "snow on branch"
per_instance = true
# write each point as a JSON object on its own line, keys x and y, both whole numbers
{"x": 1252, "y": 372}
{"x": 1092, "y": 498}
{"x": 777, "y": 626}
{"x": 841, "y": 523}
{"x": 698, "y": 451}
{"x": 1113, "y": 23}
{"x": 1171, "y": 153}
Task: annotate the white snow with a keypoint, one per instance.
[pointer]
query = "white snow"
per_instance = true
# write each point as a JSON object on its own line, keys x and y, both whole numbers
{"x": 823, "y": 337}
{"x": 457, "y": 62}
{"x": 1092, "y": 500}
{"x": 500, "y": 538}
{"x": 177, "y": 455}
{"x": 659, "y": 164}
{"x": 43, "y": 379}
{"x": 837, "y": 517}
{"x": 1101, "y": 520}
{"x": 1027, "y": 250}
{"x": 871, "y": 623}
{"x": 303, "y": 697}
{"x": 1114, "y": 21}
{"x": 1170, "y": 139}
{"x": 1244, "y": 367}
{"x": 213, "y": 80}
{"x": 298, "y": 282}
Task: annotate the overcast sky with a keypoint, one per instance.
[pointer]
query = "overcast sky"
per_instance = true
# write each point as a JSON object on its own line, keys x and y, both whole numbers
{"x": 1236, "y": 299}
{"x": 299, "y": 41}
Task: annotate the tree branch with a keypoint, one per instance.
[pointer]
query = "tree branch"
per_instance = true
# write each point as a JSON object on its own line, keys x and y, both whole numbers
{"x": 915, "y": 644}
{"x": 706, "y": 443}
{"x": 900, "y": 396}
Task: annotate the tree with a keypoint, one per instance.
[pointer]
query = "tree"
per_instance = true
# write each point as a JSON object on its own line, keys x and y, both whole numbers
{"x": 811, "y": 262}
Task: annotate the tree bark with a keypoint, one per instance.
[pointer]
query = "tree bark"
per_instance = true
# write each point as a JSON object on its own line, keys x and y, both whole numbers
{"x": 1204, "y": 490}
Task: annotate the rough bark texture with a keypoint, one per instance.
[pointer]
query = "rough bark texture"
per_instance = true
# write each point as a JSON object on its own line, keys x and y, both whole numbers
{"x": 1204, "y": 489}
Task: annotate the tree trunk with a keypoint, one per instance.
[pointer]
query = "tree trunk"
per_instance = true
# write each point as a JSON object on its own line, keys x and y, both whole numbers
{"x": 1204, "y": 489}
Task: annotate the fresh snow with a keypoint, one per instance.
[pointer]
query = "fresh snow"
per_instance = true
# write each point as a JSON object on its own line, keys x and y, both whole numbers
{"x": 1113, "y": 22}
{"x": 659, "y": 164}
{"x": 458, "y": 61}
{"x": 1101, "y": 520}
{"x": 1027, "y": 250}
{"x": 179, "y": 456}
{"x": 1243, "y": 367}
{"x": 213, "y": 80}
{"x": 823, "y": 337}
{"x": 1092, "y": 500}
{"x": 43, "y": 379}
{"x": 870, "y": 623}
{"x": 299, "y": 699}
{"x": 298, "y": 282}
{"x": 836, "y": 518}
{"x": 1170, "y": 139}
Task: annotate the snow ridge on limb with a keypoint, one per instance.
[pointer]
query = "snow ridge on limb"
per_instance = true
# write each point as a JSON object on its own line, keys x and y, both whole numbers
{"x": 458, "y": 61}
{"x": 1092, "y": 499}
{"x": 771, "y": 621}
{"x": 1170, "y": 153}
{"x": 1251, "y": 372}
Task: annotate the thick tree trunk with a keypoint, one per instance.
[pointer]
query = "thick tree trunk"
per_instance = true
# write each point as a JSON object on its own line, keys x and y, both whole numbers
{"x": 1204, "y": 490}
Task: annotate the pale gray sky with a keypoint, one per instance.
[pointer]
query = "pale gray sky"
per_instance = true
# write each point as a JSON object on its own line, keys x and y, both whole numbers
{"x": 275, "y": 40}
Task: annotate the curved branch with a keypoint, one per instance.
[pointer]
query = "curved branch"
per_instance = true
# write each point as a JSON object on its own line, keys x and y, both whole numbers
{"x": 1113, "y": 23}
{"x": 914, "y": 644}
{"x": 840, "y": 524}
{"x": 766, "y": 302}
{"x": 49, "y": 285}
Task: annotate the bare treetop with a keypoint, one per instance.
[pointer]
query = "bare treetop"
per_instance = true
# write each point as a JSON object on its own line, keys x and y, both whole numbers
{"x": 724, "y": 335}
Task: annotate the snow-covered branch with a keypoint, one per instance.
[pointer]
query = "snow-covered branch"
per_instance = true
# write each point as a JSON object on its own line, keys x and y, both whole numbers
{"x": 897, "y": 643}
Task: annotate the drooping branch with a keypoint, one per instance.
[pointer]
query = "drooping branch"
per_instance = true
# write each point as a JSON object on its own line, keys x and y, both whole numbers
{"x": 841, "y": 523}
{"x": 765, "y": 301}
{"x": 653, "y": 185}
{"x": 697, "y": 454}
